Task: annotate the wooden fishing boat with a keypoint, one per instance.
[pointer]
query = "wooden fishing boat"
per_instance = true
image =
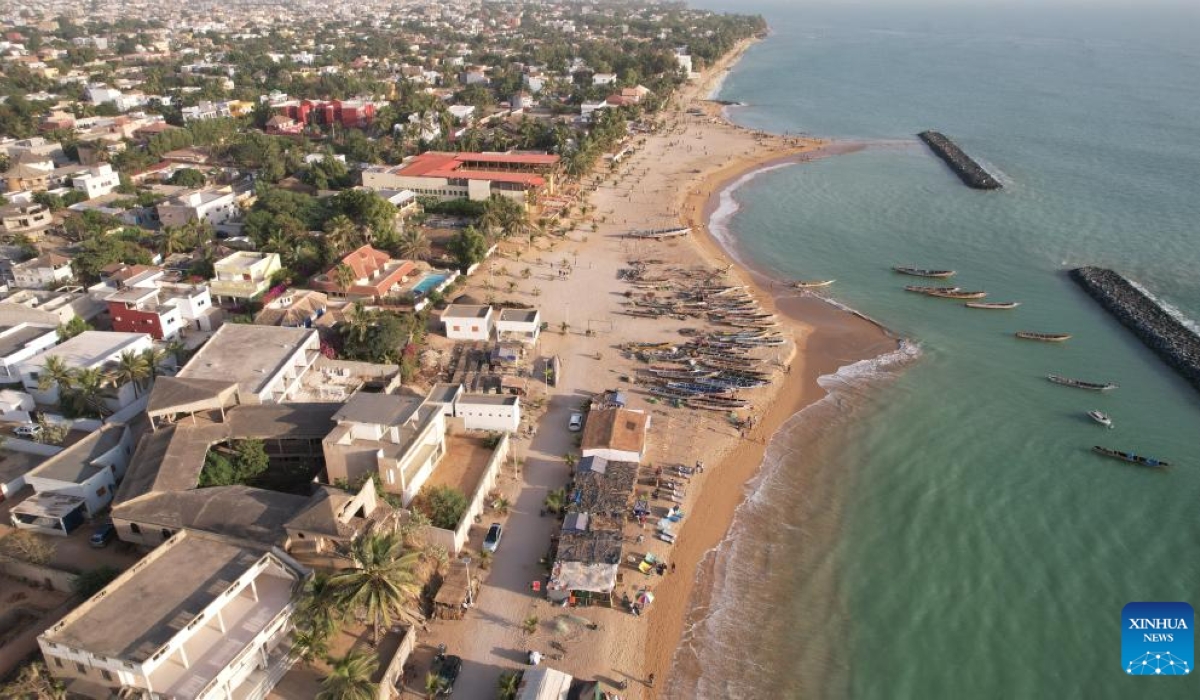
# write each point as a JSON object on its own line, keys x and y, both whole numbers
{"x": 668, "y": 393}
{"x": 1079, "y": 384}
{"x": 697, "y": 388}
{"x": 660, "y": 233}
{"x": 1101, "y": 418}
{"x": 812, "y": 284}
{"x": 684, "y": 375}
{"x": 929, "y": 290}
{"x": 647, "y": 346}
{"x": 957, "y": 294}
{"x": 919, "y": 272}
{"x": 992, "y": 304}
{"x": 1131, "y": 458}
{"x": 1044, "y": 337}
{"x": 733, "y": 382}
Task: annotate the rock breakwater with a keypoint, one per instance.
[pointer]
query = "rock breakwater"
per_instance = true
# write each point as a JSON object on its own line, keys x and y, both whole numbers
{"x": 1163, "y": 333}
{"x": 971, "y": 173}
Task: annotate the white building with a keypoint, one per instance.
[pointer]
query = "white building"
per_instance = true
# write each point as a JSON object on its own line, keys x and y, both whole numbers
{"x": 266, "y": 362}
{"x": 616, "y": 434}
{"x": 488, "y": 412}
{"x": 46, "y": 271}
{"x": 604, "y": 79}
{"x": 88, "y": 350}
{"x": 214, "y": 206}
{"x": 88, "y": 470}
{"x": 19, "y": 342}
{"x": 468, "y": 322}
{"x": 202, "y": 617}
{"x": 243, "y": 275}
{"x": 27, "y": 218}
{"x": 96, "y": 181}
{"x": 521, "y": 325}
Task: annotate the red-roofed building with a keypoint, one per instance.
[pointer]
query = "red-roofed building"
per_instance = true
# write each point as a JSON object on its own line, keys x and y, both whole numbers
{"x": 376, "y": 275}
{"x": 356, "y": 114}
{"x": 474, "y": 176}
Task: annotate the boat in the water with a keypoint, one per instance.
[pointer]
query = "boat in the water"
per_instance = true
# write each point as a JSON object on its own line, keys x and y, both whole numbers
{"x": 957, "y": 294}
{"x": 1079, "y": 384}
{"x": 919, "y": 272}
{"x": 1131, "y": 458}
{"x": 992, "y": 304}
{"x": 1101, "y": 418}
{"x": 929, "y": 290}
{"x": 812, "y": 284}
{"x": 1044, "y": 337}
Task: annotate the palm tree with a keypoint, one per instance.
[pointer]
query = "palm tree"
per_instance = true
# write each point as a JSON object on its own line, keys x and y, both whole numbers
{"x": 510, "y": 682}
{"x": 414, "y": 245}
{"x": 55, "y": 372}
{"x": 309, "y": 645}
{"x": 556, "y": 500}
{"x": 358, "y": 321}
{"x": 433, "y": 685}
{"x": 383, "y": 582}
{"x": 175, "y": 239}
{"x": 132, "y": 368}
{"x": 178, "y": 352}
{"x": 88, "y": 388}
{"x": 340, "y": 233}
{"x": 317, "y": 610}
{"x": 345, "y": 277}
{"x": 35, "y": 683}
{"x": 350, "y": 678}
{"x": 155, "y": 358}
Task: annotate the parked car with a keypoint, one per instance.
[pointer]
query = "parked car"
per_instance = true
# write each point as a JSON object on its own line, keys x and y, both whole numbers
{"x": 28, "y": 430}
{"x": 575, "y": 424}
{"x": 492, "y": 541}
{"x": 102, "y": 535}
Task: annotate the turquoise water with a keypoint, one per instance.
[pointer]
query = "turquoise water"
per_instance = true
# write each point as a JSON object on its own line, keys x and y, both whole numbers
{"x": 952, "y": 536}
{"x": 429, "y": 281}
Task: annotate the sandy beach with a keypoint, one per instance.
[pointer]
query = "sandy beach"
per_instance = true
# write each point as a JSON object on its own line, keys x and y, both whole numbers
{"x": 673, "y": 176}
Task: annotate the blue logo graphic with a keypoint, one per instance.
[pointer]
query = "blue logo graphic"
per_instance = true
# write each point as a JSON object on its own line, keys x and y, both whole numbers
{"x": 1157, "y": 639}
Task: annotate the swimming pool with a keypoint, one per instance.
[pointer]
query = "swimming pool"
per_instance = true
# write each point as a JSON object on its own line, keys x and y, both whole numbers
{"x": 431, "y": 280}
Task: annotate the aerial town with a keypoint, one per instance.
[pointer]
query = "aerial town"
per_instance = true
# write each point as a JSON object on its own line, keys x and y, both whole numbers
{"x": 364, "y": 350}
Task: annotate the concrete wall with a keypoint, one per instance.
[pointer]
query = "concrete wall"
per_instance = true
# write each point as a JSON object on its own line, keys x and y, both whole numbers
{"x": 393, "y": 673}
{"x": 455, "y": 540}
{"x": 488, "y": 416}
{"x": 37, "y": 575}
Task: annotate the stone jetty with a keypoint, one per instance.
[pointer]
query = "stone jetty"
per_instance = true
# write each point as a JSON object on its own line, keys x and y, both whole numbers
{"x": 971, "y": 173}
{"x": 1175, "y": 343}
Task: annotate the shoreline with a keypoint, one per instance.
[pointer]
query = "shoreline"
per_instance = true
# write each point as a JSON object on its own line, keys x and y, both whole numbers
{"x": 818, "y": 328}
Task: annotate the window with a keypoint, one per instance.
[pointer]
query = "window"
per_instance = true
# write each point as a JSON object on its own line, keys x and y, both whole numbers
{"x": 81, "y": 668}
{"x": 58, "y": 662}
{"x": 166, "y": 534}
{"x": 106, "y": 674}
{"x": 135, "y": 528}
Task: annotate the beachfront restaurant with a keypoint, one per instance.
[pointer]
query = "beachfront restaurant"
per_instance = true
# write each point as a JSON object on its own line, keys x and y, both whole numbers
{"x": 586, "y": 568}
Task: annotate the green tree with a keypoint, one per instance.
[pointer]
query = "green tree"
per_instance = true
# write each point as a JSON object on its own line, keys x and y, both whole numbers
{"x": 556, "y": 501}
{"x": 434, "y": 685}
{"x": 187, "y": 177}
{"x": 132, "y": 368}
{"x": 318, "y": 606}
{"x": 345, "y": 277}
{"x": 35, "y": 682}
{"x": 382, "y": 341}
{"x": 383, "y": 581}
{"x": 87, "y": 391}
{"x": 443, "y": 505}
{"x": 414, "y": 245}
{"x": 55, "y": 372}
{"x": 350, "y": 678}
{"x": 90, "y": 582}
{"x": 510, "y": 682}
{"x": 72, "y": 328}
{"x": 245, "y": 462}
{"x": 468, "y": 247}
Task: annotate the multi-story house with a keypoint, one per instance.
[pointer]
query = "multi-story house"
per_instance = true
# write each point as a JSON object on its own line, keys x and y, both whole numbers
{"x": 19, "y": 342}
{"x": 213, "y": 206}
{"x": 88, "y": 350}
{"x": 376, "y": 275}
{"x": 28, "y": 219}
{"x": 162, "y": 310}
{"x": 96, "y": 181}
{"x": 47, "y": 270}
{"x": 201, "y": 617}
{"x": 475, "y": 176}
{"x": 243, "y": 275}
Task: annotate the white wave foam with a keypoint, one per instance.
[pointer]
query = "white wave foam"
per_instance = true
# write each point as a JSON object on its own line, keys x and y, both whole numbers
{"x": 874, "y": 368}
{"x": 715, "y": 92}
{"x": 728, "y": 206}
{"x": 1171, "y": 310}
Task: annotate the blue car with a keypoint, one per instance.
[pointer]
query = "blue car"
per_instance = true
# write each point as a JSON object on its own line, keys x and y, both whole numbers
{"x": 102, "y": 535}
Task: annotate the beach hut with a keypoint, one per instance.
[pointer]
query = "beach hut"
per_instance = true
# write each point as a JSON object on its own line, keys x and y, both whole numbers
{"x": 457, "y": 592}
{"x": 544, "y": 683}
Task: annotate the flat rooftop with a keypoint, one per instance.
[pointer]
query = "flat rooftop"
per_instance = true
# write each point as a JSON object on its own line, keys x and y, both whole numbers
{"x": 75, "y": 464}
{"x": 519, "y": 315}
{"x": 13, "y": 338}
{"x": 489, "y": 399}
{"x": 153, "y": 601}
{"x": 378, "y": 409}
{"x": 246, "y": 354}
{"x": 243, "y": 259}
{"x": 89, "y": 348}
{"x": 466, "y": 311}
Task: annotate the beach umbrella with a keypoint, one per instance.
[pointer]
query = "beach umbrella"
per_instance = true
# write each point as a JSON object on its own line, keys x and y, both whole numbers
{"x": 645, "y": 598}
{"x": 665, "y": 525}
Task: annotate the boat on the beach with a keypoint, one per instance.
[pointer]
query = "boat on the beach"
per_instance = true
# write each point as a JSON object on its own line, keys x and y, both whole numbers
{"x": 919, "y": 272}
{"x": 812, "y": 284}
{"x": 957, "y": 294}
{"x": 696, "y": 388}
{"x": 1079, "y": 384}
{"x": 1131, "y": 458}
{"x": 929, "y": 290}
{"x": 660, "y": 233}
{"x": 992, "y": 304}
{"x": 1044, "y": 337}
{"x": 1101, "y": 418}
{"x": 717, "y": 403}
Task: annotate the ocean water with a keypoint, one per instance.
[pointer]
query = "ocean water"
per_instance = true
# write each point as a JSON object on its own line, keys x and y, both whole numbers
{"x": 937, "y": 527}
